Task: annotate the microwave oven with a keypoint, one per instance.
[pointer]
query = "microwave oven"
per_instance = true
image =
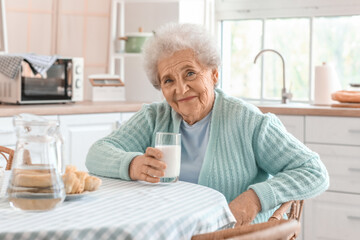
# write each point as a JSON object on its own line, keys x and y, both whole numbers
{"x": 62, "y": 82}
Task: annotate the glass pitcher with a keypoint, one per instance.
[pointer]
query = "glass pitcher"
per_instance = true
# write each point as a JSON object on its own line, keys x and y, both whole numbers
{"x": 35, "y": 183}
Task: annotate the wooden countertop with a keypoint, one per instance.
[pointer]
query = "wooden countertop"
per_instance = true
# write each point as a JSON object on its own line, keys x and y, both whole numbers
{"x": 309, "y": 110}
{"x": 87, "y": 107}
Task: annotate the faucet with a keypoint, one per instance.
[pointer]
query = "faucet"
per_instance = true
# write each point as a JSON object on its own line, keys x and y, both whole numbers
{"x": 285, "y": 96}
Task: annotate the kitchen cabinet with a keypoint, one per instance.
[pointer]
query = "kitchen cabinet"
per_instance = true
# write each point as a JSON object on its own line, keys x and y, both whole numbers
{"x": 336, "y": 213}
{"x": 294, "y": 125}
{"x": 8, "y": 135}
{"x": 81, "y": 131}
{"x": 333, "y": 130}
{"x": 332, "y": 215}
{"x": 343, "y": 165}
{"x": 7, "y": 132}
{"x": 126, "y": 116}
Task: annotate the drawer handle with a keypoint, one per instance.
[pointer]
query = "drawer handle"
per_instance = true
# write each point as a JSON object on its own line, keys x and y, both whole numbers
{"x": 354, "y": 169}
{"x": 354, "y": 130}
{"x": 354, "y": 218}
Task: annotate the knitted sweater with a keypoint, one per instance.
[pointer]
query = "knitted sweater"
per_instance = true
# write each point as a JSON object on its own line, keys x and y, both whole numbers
{"x": 246, "y": 149}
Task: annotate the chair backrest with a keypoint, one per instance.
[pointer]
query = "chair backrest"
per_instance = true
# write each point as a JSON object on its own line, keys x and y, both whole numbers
{"x": 8, "y": 154}
{"x": 275, "y": 228}
{"x": 282, "y": 229}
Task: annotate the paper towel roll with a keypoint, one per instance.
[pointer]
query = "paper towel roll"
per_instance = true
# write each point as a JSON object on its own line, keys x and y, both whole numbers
{"x": 326, "y": 82}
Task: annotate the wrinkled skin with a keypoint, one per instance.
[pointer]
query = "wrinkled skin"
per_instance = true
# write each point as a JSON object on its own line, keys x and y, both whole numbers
{"x": 245, "y": 207}
{"x": 147, "y": 167}
{"x": 187, "y": 85}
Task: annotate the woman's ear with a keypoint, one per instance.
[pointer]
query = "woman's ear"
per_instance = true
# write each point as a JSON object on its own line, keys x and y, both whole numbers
{"x": 215, "y": 76}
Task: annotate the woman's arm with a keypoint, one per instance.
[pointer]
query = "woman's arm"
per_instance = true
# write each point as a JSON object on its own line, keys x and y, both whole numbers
{"x": 298, "y": 172}
{"x": 111, "y": 155}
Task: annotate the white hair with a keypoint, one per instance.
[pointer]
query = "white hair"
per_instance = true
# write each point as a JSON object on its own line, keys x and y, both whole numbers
{"x": 173, "y": 37}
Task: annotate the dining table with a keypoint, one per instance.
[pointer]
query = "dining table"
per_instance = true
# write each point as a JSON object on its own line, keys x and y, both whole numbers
{"x": 123, "y": 210}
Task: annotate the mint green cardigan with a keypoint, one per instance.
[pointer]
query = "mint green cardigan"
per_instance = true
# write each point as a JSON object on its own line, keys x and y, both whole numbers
{"x": 246, "y": 149}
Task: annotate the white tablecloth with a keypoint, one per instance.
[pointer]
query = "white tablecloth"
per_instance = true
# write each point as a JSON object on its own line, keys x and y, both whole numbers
{"x": 124, "y": 210}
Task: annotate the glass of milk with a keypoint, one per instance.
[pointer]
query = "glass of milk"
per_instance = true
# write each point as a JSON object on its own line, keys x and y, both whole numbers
{"x": 170, "y": 145}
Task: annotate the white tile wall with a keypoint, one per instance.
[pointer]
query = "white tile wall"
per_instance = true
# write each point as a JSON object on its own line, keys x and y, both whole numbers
{"x": 93, "y": 6}
{"x": 73, "y": 5}
{"x": 71, "y": 36}
{"x": 45, "y": 5}
{"x": 17, "y": 29}
{"x": 96, "y": 47}
{"x": 40, "y": 45}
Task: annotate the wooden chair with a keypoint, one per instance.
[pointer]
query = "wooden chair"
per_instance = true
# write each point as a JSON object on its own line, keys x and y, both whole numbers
{"x": 276, "y": 228}
{"x": 8, "y": 154}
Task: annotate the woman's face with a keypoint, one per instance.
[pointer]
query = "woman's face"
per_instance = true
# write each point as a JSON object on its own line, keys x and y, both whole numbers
{"x": 187, "y": 85}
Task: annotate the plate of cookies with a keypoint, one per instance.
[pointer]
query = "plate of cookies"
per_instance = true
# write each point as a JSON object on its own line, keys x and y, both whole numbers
{"x": 78, "y": 183}
{"x": 73, "y": 196}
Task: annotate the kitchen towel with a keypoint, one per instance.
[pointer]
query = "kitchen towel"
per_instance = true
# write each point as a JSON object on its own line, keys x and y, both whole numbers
{"x": 326, "y": 83}
{"x": 10, "y": 64}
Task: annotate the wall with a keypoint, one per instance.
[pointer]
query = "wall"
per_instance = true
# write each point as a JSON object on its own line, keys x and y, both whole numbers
{"x": 75, "y": 28}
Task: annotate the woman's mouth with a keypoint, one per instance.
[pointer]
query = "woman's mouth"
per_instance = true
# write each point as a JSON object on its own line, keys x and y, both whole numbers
{"x": 186, "y": 99}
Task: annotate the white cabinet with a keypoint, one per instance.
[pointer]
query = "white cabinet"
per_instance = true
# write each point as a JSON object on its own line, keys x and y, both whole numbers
{"x": 343, "y": 165}
{"x": 81, "y": 131}
{"x": 333, "y": 130}
{"x": 78, "y": 131}
{"x": 7, "y": 132}
{"x": 8, "y": 135}
{"x": 294, "y": 125}
{"x": 332, "y": 216}
{"x": 336, "y": 213}
{"x": 125, "y": 116}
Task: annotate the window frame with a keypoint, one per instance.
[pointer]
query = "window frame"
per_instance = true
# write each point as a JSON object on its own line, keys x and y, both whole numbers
{"x": 275, "y": 9}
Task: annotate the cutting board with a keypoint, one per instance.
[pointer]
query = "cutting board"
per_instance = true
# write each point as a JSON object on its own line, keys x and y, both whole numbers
{"x": 346, "y": 105}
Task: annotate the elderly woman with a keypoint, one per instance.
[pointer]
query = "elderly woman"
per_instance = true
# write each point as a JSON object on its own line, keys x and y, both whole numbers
{"x": 227, "y": 144}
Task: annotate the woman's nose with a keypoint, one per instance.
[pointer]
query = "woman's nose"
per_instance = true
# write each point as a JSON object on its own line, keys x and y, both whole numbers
{"x": 181, "y": 87}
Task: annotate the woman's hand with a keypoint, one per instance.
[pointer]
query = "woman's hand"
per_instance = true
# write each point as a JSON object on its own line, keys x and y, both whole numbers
{"x": 245, "y": 207}
{"x": 147, "y": 167}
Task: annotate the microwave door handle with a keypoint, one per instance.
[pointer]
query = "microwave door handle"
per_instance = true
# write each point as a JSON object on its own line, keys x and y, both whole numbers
{"x": 69, "y": 79}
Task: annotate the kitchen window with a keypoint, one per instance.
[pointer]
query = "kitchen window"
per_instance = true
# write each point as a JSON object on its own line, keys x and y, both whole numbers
{"x": 306, "y": 36}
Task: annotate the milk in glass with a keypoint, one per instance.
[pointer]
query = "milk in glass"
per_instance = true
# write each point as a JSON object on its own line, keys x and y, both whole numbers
{"x": 170, "y": 145}
{"x": 172, "y": 158}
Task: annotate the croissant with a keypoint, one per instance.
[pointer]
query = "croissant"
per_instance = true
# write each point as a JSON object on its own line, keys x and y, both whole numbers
{"x": 70, "y": 168}
{"x": 92, "y": 183}
{"x": 78, "y": 181}
{"x": 81, "y": 176}
{"x": 71, "y": 182}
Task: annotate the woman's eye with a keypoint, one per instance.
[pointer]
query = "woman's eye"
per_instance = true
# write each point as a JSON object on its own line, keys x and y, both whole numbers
{"x": 167, "y": 81}
{"x": 189, "y": 74}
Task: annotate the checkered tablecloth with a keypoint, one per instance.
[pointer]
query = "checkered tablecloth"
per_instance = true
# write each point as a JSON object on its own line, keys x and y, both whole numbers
{"x": 124, "y": 210}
